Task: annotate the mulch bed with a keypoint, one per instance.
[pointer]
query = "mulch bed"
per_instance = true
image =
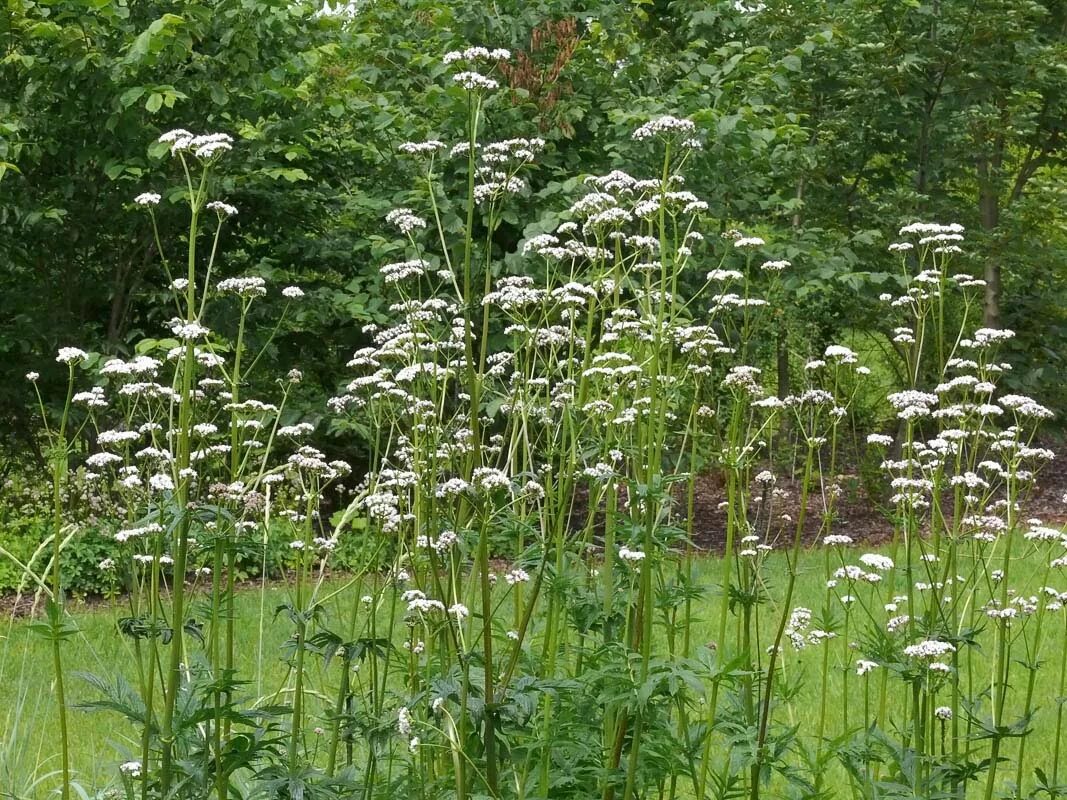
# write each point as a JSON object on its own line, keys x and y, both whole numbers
{"x": 855, "y": 513}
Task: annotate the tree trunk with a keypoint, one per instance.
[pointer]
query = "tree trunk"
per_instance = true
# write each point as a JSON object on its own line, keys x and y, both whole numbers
{"x": 989, "y": 211}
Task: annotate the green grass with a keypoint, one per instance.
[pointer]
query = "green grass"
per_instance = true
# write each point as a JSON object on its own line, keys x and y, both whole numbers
{"x": 101, "y": 740}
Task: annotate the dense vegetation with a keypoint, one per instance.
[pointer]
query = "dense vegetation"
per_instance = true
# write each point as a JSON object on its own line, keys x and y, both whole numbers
{"x": 826, "y": 126}
{"x": 469, "y": 323}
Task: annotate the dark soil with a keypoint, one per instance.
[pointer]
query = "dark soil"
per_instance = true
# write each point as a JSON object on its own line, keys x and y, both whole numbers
{"x": 856, "y": 512}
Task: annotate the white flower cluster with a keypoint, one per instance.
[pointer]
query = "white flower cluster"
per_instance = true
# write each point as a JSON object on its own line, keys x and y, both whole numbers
{"x": 666, "y": 126}
{"x": 929, "y": 649}
{"x": 71, "y": 355}
{"x": 474, "y": 81}
{"x": 428, "y": 147}
{"x": 251, "y": 286}
{"x": 222, "y": 209}
{"x": 405, "y": 220}
{"x": 930, "y": 229}
{"x": 799, "y": 619}
{"x": 203, "y": 146}
{"x": 473, "y": 55}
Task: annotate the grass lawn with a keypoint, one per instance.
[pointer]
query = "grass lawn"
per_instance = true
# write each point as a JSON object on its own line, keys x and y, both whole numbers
{"x": 101, "y": 740}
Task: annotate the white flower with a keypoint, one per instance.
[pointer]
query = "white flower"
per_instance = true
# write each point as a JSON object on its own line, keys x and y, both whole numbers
{"x": 147, "y": 199}
{"x": 749, "y": 241}
{"x": 131, "y": 768}
{"x": 475, "y": 54}
{"x": 422, "y": 148}
{"x": 172, "y": 136}
{"x": 876, "y": 561}
{"x": 863, "y": 667}
{"x": 405, "y": 219}
{"x": 665, "y": 126}
{"x": 840, "y": 353}
{"x": 775, "y": 266}
{"x": 475, "y": 80}
{"x": 33, "y": 376}
{"x": 70, "y": 355}
{"x": 929, "y": 649}
{"x": 943, "y": 712}
{"x": 404, "y": 721}
{"x": 292, "y": 292}
{"x": 161, "y": 483}
{"x": 251, "y": 286}
{"x": 223, "y": 209}
{"x": 837, "y": 540}
{"x": 210, "y": 145}
{"x": 517, "y": 576}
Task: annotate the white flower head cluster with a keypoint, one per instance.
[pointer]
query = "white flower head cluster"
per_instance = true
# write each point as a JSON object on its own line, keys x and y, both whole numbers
{"x": 427, "y": 148}
{"x": 221, "y": 208}
{"x": 252, "y": 286}
{"x": 799, "y": 619}
{"x": 929, "y": 649}
{"x": 840, "y": 354}
{"x": 161, "y": 483}
{"x": 748, "y": 241}
{"x": 877, "y": 562}
{"x": 138, "y": 365}
{"x": 404, "y": 721}
{"x": 148, "y": 199}
{"x": 1023, "y": 406}
{"x": 517, "y": 575}
{"x": 475, "y": 81}
{"x": 404, "y": 270}
{"x": 405, "y": 220}
{"x": 71, "y": 355}
{"x": 931, "y": 229}
{"x": 667, "y": 127}
{"x": 837, "y": 540}
{"x": 476, "y": 54}
{"x": 911, "y": 403}
{"x": 863, "y": 666}
{"x": 204, "y": 146}
{"x": 187, "y": 330}
{"x": 775, "y": 266}
{"x": 94, "y": 398}
{"x": 851, "y": 572}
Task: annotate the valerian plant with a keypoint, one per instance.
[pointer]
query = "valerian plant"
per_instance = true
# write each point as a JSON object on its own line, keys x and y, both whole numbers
{"x": 538, "y": 426}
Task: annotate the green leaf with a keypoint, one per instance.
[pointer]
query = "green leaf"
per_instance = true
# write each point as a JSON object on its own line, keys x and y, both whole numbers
{"x": 290, "y": 174}
{"x": 155, "y": 102}
{"x": 131, "y": 96}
